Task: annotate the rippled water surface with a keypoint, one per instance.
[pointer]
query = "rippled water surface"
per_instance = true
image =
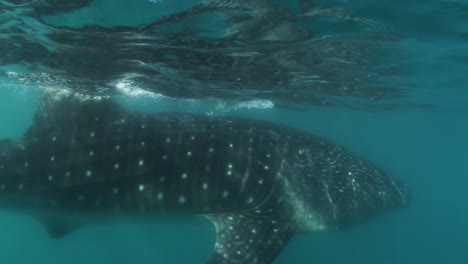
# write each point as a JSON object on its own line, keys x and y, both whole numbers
{"x": 387, "y": 79}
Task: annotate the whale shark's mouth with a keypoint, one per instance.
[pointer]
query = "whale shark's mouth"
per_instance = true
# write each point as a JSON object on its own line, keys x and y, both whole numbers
{"x": 404, "y": 192}
{"x": 346, "y": 191}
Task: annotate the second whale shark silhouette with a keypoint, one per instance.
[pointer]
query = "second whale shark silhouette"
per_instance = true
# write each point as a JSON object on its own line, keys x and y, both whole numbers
{"x": 259, "y": 183}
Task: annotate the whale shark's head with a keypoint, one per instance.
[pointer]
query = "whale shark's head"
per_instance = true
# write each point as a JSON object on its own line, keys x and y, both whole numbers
{"x": 339, "y": 188}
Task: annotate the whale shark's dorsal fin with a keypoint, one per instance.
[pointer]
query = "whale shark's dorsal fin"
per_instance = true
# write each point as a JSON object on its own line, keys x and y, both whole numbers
{"x": 253, "y": 238}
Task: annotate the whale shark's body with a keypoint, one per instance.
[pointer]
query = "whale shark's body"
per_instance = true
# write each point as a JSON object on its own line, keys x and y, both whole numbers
{"x": 258, "y": 182}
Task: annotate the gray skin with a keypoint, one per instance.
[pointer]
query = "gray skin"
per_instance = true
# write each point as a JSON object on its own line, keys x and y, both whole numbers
{"x": 259, "y": 183}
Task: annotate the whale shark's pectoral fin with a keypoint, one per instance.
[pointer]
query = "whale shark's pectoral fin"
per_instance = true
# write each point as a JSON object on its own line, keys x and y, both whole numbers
{"x": 248, "y": 238}
{"x": 58, "y": 227}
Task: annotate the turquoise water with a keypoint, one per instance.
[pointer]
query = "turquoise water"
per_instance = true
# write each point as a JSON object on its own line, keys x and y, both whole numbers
{"x": 421, "y": 139}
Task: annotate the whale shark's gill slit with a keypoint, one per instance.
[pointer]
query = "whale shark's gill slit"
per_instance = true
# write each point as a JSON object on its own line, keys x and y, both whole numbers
{"x": 248, "y": 237}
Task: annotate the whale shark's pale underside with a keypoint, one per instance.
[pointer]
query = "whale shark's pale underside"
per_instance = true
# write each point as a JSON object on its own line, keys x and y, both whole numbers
{"x": 259, "y": 183}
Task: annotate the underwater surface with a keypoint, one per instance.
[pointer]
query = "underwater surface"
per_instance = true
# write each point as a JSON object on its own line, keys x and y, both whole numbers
{"x": 385, "y": 79}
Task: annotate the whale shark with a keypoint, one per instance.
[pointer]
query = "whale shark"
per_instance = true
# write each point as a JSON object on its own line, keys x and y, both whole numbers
{"x": 88, "y": 159}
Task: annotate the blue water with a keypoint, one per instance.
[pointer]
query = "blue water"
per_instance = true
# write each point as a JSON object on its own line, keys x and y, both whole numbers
{"x": 427, "y": 147}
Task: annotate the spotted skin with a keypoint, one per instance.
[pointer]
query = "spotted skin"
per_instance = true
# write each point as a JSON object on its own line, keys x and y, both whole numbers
{"x": 258, "y": 182}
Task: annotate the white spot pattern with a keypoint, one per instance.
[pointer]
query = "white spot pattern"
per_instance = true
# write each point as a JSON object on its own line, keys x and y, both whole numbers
{"x": 182, "y": 199}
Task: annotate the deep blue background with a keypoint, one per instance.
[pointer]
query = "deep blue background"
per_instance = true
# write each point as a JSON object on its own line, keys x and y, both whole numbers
{"x": 426, "y": 147}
